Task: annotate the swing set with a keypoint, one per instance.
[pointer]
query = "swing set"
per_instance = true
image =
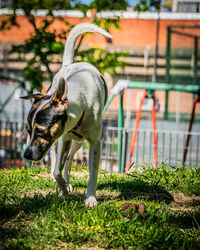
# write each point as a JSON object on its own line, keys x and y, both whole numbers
{"x": 149, "y": 89}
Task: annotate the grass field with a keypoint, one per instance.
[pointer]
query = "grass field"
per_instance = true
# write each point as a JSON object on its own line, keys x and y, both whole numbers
{"x": 33, "y": 216}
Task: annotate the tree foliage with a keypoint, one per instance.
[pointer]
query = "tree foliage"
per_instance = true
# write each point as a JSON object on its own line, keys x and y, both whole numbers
{"x": 44, "y": 43}
{"x": 109, "y": 4}
{"x": 148, "y": 5}
{"x": 102, "y": 59}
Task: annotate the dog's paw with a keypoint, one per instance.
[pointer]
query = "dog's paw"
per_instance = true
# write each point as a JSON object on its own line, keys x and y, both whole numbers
{"x": 91, "y": 201}
{"x": 61, "y": 192}
{"x": 53, "y": 178}
{"x": 69, "y": 188}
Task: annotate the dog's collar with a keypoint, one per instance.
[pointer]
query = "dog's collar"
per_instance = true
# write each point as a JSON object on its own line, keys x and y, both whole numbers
{"x": 73, "y": 131}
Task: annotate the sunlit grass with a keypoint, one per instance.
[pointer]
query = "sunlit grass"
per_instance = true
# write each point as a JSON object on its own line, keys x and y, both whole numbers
{"x": 32, "y": 215}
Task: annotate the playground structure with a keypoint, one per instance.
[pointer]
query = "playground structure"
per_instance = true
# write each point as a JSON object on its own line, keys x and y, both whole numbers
{"x": 149, "y": 89}
{"x": 182, "y": 62}
{"x": 182, "y": 57}
{"x": 21, "y": 88}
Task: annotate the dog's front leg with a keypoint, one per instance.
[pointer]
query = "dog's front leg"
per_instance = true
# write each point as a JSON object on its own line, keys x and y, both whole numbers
{"x": 94, "y": 158}
{"x": 62, "y": 153}
{"x": 74, "y": 148}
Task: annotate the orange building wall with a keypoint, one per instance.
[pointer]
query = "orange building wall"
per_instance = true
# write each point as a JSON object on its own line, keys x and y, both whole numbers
{"x": 133, "y": 32}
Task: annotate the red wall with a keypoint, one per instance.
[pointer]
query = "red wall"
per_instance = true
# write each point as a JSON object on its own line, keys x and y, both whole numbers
{"x": 133, "y": 32}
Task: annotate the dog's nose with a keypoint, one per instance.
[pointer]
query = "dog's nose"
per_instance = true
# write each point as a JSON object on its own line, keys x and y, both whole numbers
{"x": 28, "y": 155}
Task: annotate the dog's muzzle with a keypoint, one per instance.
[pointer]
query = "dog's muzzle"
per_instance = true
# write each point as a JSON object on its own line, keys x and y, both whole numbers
{"x": 33, "y": 153}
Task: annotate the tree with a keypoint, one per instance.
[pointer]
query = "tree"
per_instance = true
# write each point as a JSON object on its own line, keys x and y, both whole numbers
{"x": 44, "y": 43}
{"x": 109, "y": 4}
{"x": 146, "y": 5}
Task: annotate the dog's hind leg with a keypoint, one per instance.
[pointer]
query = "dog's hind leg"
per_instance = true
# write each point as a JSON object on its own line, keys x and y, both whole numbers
{"x": 74, "y": 148}
{"x": 63, "y": 149}
{"x": 94, "y": 158}
{"x": 53, "y": 160}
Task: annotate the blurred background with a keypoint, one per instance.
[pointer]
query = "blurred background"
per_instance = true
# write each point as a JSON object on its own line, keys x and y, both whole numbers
{"x": 153, "y": 41}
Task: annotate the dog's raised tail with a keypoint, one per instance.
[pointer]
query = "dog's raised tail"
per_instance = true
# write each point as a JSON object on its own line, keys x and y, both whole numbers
{"x": 73, "y": 36}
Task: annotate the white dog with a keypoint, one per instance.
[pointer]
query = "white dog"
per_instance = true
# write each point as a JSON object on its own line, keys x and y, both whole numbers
{"x": 70, "y": 112}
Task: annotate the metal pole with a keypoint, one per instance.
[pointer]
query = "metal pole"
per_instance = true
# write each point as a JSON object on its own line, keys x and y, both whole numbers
{"x": 128, "y": 109}
{"x": 195, "y": 60}
{"x": 167, "y": 69}
{"x": 120, "y": 127}
{"x": 154, "y": 131}
{"x": 110, "y": 98}
{"x": 154, "y": 77}
{"x": 190, "y": 128}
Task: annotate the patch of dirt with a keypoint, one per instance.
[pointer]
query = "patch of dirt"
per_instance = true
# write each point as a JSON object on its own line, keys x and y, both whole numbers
{"x": 63, "y": 245}
{"x": 107, "y": 194}
{"x": 91, "y": 248}
{"x": 73, "y": 173}
{"x": 185, "y": 202}
{"x": 35, "y": 192}
{"x": 80, "y": 174}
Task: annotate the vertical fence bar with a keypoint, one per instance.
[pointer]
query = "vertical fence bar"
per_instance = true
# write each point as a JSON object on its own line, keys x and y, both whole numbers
{"x": 3, "y": 142}
{"x": 106, "y": 148}
{"x": 176, "y": 149}
{"x": 17, "y": 143}
{"x": 112, "y": 150}
{"x": 20, "y": 140}
{"x": 2, "y": 157}
{"x": 150, "y": 144}
{"x": 190, "y": 150}
{"x": 163, "y": 145}
{"x": 136, "y": 147}
{"x": 198, "y": 153}
{"x": 170, "y": 143}
{"x": 14, "y": 141}
{"x": 120, "y": 127}
{"x": 124, "y": 149}
{"x": 154, "y": 132}
{"x": 10, "y": 134}
{"x": 143, "y": 146}
{"x": 0, "y": 134}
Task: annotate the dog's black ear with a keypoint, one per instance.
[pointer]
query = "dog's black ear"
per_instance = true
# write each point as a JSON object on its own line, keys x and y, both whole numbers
{"x": 60, "y": 94}
{"x": 36, "y": 97}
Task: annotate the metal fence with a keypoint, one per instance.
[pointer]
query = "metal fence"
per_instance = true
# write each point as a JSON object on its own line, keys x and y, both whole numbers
{"x": 170, "y": 147}
{"x": 12, "y": 138}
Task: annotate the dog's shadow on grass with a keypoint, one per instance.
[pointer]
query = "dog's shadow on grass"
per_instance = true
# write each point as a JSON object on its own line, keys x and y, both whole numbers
{"x": 12, "y": 213}
{"x": 136, "y": 189}
{"x": 35, "y": 203}
{"x": 120, "y": 189}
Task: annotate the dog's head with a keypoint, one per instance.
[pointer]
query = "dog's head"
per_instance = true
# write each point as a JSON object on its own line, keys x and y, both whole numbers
{"x": 46, "y": 120}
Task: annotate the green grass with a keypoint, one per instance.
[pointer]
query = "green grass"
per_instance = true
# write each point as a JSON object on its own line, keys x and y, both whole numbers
{"x": 33, "y": 216}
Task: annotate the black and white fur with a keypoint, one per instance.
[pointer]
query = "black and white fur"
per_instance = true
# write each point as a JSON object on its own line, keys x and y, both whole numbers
{"x": 77, "y": 92}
